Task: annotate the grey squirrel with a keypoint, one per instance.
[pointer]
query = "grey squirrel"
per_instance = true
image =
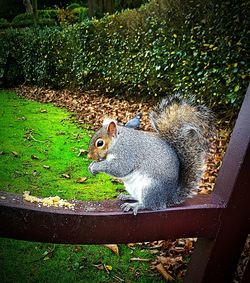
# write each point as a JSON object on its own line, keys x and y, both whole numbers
{"x": 158, "y": 169}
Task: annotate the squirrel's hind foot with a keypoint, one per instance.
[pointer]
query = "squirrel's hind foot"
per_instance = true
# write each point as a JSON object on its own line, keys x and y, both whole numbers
{"x": 132, "y": 206}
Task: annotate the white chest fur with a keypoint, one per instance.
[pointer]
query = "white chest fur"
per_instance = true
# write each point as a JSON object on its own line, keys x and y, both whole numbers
{"x": 135, "y": 184}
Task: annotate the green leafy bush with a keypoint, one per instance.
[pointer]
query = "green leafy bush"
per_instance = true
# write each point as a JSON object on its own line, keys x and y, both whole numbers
{"x": 162, "y": 47}
{"x": 4, "y": 23}
{"x": 73, "y": 6}
{"x": 22, "y": 17}
{"x": 81, "y": 13}
{"x": 45, "y": 18}
{"x": 48, "y": 14}
{"x": 48, "y": 56}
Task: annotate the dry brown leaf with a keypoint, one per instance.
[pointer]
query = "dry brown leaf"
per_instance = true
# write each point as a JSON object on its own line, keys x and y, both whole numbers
{"x": 33, "y": 156}
{"x": 66, "y": 176}
{"x": 82, "y": 180}
{"x": 99, "y": 266}
{"x": 131, "y": 245}
{"x": 46, "y": 167}
{"x": 154, "y": 251}
{"x": 189, "y": 244}
{"x": 157, "y": 244}
{"x": 102, "y": 266}
{"x": 15, "y": 153}
{"x": 160, "y": 268}
{"x": 82, "y": 152}
{"x": 113, "y": 247}
{"x": 169, "y": 260}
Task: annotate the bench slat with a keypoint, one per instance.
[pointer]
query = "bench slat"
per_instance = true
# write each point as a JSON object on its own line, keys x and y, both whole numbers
{"x": 92, "y": 223}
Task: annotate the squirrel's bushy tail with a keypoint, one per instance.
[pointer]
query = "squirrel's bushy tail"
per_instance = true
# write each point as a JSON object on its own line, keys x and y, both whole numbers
{"x": 186, "y": 126}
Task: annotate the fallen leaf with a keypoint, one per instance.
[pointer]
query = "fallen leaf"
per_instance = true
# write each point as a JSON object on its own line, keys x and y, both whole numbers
{"x": 169, "y": 260}
{"x": 82, "y": 180}
{"x": 66, "y": 176}
{"x": 189, "y": 244}
{"x": 130, "y": 245}
{"x": 43, "y": 111}
{"x": 116, "y": 181}
{"x": 48, "y": 254}
{"x": 34, "y": 157}
{"x": 160, "y": 268}
{"x": 46, "y": 167}
{"x": 82, "y": 152}
{"x": 99, "y": 266}
{"x": 108, "y": 267}
{"x": 15, "y": 153}
{"x": 114, "y": 248}
{"x": 77, "y": 248}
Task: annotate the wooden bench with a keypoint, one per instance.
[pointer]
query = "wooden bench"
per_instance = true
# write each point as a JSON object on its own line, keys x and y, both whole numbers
{"x": 221, "y": 220}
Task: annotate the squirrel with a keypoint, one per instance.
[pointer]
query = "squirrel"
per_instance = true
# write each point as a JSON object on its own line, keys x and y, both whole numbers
{"x": 159, "y": 169}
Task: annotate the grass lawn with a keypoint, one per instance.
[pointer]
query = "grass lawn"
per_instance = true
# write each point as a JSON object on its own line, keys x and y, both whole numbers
{"x": 40, "y": 146}
{"x": 39, "y": 152}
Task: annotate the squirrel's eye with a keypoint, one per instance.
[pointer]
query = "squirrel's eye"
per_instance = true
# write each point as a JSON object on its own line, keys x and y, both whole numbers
{"x": 100, "y": 143}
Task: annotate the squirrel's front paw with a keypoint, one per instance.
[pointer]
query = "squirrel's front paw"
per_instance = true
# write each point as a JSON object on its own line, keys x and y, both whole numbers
{"x": 91, "y": 168}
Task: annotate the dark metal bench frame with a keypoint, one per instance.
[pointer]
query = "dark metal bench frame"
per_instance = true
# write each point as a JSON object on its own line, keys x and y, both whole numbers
{"x": 221, "y": 220}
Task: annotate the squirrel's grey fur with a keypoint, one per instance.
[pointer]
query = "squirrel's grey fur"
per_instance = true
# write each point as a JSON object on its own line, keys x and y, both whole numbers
{"x": 160, "y": 169}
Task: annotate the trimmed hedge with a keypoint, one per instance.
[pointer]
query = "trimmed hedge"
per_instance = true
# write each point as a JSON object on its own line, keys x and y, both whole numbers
{"x": 193, "y": 47}
{"x": 45, "y": 18}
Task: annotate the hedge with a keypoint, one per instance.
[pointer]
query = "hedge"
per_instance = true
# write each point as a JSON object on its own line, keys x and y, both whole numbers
{"x": 195, "y": 47}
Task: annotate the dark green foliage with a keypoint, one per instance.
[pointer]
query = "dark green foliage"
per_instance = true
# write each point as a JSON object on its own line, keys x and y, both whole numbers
{"x": 73, "y": 6}
{"x": 48, "y": 14}
{"x": 195, "y": 47}
{"x": 72, "y": 16}
{"x": 47, "y": 55}
{"x": 45, "y": 18}
{"x": 81, "y": 13}
{"x": 4, "y": 23}
{"x": 21, "y": 17}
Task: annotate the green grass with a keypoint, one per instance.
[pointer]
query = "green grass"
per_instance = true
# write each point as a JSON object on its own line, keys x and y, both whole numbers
{"x": 29, "y": 129}
{"x": 24, "y": 262}
{"x": 49, "y": 133}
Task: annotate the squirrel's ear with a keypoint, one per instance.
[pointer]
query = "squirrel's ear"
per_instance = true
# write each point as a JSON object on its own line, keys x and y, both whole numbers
{"x": 112, "y": 130}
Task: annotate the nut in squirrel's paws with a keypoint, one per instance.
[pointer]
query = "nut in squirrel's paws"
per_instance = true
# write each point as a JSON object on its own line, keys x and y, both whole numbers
{"x": 132, "y": 206}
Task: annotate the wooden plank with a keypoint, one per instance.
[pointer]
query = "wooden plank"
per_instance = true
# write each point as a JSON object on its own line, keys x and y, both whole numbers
{"x": 215, "y": 260}
{"x": 104, "y": 222}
